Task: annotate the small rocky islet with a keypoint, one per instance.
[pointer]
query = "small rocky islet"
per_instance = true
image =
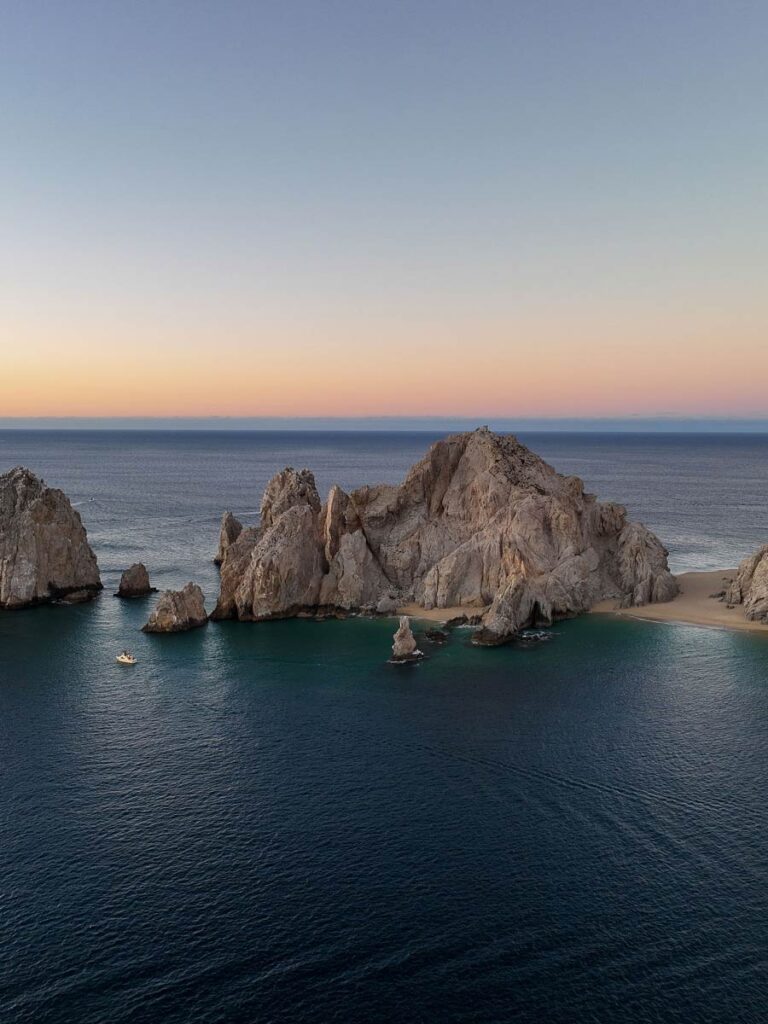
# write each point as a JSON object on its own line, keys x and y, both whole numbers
{"x": 177, "y": 611}
{"x": 404, "y": 646}
{"x": 480, "y": 524}
{"x": 135, "y": 582}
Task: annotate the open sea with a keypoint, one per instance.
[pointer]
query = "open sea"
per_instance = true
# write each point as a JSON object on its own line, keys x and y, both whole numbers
{"x": 265, "y": 823}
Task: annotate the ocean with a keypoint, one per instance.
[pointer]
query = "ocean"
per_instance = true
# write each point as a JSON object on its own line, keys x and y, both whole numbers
{"x": 269, "y": 823}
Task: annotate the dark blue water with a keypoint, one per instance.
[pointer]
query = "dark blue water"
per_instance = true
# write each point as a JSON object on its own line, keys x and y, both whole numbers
{"x": 269, "y": 823}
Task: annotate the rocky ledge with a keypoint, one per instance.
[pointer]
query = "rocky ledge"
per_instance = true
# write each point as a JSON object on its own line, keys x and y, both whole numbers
{"x": 44, "y": 550}
{"x": 135, "y": 582}
{"x": 480, "y": 522}
{"x": 177, "y": 611}
{"x": 750, "y": 587}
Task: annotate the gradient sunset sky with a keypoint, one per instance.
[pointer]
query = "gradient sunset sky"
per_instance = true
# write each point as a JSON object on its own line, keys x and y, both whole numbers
{"x": 363, "y": 208}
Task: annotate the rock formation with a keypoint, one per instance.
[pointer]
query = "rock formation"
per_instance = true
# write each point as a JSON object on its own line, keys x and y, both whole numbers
{"x": 480, "y": 522}
{"x": 44, "y": 550}
{"x": 231, "y": 529}
{"x": 135, "y": 582}
{"x": 178, "y": 610}
{"x": 404, "y": 647}
{"x": 750, "y": 587}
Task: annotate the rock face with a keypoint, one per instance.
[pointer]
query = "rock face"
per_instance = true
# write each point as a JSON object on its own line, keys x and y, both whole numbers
{"x": 231, "y": 529}
{"x": 135, "y": 582}
{"x": 479, "y": 522}
{"x": 404, "y": 646}
{"x": 178, "y": 610}
{"x": 750, "y": 587}
{"x": 44, "y": 550}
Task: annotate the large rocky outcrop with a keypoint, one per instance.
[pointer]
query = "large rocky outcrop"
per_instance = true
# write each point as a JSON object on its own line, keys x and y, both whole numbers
{"x": 44, "y": 550}
{"x": 134, "y": 582}
{"x": 177, "y": 611}
{"x": 750, "y": 586}
{"x": 479, "y": 522}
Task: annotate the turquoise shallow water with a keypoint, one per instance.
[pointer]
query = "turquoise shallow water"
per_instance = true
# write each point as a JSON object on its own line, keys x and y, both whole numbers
{"x": 270, "y": 823}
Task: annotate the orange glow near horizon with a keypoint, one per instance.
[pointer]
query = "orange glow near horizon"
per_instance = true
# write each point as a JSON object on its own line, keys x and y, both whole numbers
{"x": 539, "y": 367}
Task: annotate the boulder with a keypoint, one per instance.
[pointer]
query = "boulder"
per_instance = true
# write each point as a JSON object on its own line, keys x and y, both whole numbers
{"x": 178, "y": 610}
{"x": 404, "y": 646}
{"x": 231, "y": 529}
{"x": 437, "y": 636}
{"x": 135, "y": 582}
{"x": 44, "y": 550}
{"x": 480, "y": 523}
{"x": 750, "y": 586}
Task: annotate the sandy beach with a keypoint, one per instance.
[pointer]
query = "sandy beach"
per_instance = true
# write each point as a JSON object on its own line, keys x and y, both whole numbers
{"x": 439, "y": 614}
{"x": 693, "y": 604}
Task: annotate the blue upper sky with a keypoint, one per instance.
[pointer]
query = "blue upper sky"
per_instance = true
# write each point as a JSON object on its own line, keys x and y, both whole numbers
{"x": 187, "y": 185}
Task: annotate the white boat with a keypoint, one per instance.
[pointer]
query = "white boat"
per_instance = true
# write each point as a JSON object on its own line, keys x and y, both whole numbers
{"x": 126, "y": 658}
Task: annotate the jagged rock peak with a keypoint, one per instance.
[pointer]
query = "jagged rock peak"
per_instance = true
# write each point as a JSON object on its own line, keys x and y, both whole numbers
{"x": 178, "y": 610}
{"x": 480, "y": 522}
{"x": 134, "y": 582}
{"x": 750, "y": 587}
{"x": 231, "y": 529}
{"x": 44, "y": 550}
{"x": 288, "y": 488}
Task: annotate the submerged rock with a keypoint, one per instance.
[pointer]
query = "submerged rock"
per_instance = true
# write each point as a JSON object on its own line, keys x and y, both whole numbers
{"x": 75, "y": 597}
{"x": 404, "y": 646}
{"x": 231, "y": 529}
{"x": 479, "y": 523}
{"x": 178, "y": 610}
{"x": 533, "y": 637}
{"x": 44, "y": 550}
{"x": 750, "y": 586}
{"x": 437, "y": 636}
{"x": 135, "y": 582}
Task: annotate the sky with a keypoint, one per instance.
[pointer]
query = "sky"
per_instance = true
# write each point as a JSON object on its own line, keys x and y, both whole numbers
{"x": 427, "y": 208}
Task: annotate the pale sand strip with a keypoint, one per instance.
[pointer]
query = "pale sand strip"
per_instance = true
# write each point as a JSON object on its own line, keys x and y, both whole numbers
{"x": 692, "y": 605}
{"x": 439, "y": 614}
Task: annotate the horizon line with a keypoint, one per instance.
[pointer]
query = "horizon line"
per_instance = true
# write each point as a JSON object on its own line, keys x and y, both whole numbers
{"x": 626, "y": 424}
